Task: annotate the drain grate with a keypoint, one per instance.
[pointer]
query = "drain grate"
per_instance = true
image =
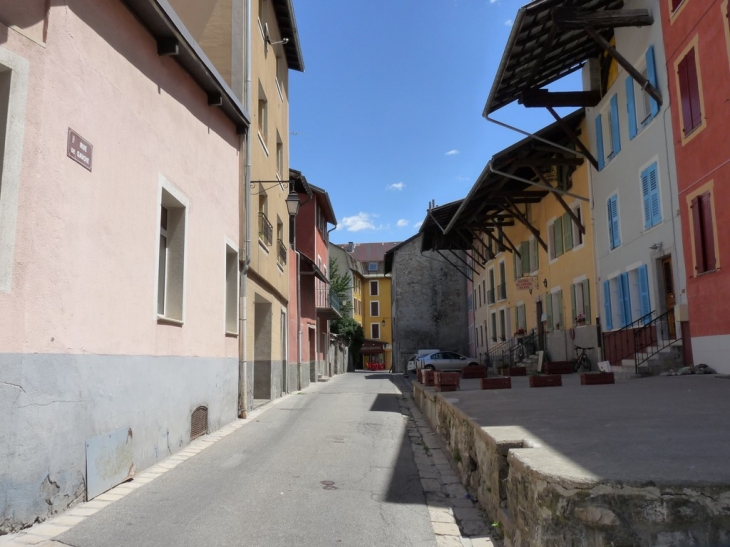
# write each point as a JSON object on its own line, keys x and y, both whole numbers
{"x": 199, "y": 422}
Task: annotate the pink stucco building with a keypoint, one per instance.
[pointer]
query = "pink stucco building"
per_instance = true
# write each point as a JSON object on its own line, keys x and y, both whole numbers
{"x": 119, "y": 244}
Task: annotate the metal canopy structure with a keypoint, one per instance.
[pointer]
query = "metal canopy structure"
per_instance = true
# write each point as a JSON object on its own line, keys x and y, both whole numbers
{"x": 553, "y": 38}
{"x": 521, "y": 174}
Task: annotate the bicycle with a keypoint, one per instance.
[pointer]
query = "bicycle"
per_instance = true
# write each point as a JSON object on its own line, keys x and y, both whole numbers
{"x": 581, "y": 361}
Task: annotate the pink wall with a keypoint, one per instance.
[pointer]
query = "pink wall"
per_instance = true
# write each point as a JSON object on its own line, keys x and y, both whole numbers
{"x": 704, "y": 157}
{"x": 85, "y": 258}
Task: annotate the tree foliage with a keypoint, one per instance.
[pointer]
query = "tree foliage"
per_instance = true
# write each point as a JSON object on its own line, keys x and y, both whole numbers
{"x": 340, "y": 284}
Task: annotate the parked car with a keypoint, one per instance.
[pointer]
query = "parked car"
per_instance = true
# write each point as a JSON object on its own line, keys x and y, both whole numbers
{"x": 445, "y": 360}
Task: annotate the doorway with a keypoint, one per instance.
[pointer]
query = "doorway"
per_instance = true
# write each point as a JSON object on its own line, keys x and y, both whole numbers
{"x": 669, "y": 297}
{"x": 540, "y": 326}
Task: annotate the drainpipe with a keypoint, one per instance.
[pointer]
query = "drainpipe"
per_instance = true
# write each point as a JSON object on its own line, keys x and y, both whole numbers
{"x": 245, "y": 228}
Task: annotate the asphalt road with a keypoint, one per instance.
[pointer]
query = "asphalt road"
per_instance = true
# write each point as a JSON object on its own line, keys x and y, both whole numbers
{"x": 332, "y": 466}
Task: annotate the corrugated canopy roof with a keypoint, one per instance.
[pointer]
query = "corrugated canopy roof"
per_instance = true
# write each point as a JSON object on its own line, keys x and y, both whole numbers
{"x": 489, "y": 202}
{"x": 538, "y": 53}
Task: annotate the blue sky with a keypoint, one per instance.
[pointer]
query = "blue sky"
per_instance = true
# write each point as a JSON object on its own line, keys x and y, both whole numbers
{"x": 387, "y": 115}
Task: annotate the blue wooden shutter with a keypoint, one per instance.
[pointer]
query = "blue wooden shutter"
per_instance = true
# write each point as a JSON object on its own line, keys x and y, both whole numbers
{"x": 646, "y": 196}
{"x": 613, "y": 223}
{"x": 651, "y": 73}
{"x": 631, "y": 103}
{"x": 607, "y": 304}
{"x": 615, "y": 136}
{"x": 644, "y": 293}
{"x": 650, "y": 194}
{"x": 599, "y": 141}
{"x": 624, "y": 299}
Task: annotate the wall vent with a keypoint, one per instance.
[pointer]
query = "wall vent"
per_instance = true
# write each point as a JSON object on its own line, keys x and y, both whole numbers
{"x": 199, "y": 422}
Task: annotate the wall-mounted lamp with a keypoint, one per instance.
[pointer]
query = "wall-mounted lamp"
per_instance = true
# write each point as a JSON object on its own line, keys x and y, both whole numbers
{"x": 383, "y": 322}
{"x": 292, "y": 203}
{"x": 544, "y": 283}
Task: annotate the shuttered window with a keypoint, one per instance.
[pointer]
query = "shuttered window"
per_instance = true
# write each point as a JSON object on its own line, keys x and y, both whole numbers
{"x": 689, "y": 91}
{"x": 704, "y": 233}
{"x": 650, "y": 195}
{"x": 613, "y": 222}
{"x": 599, "y": 142}
{"x": 615, "y": 133}
{"x": 607, "y": 305}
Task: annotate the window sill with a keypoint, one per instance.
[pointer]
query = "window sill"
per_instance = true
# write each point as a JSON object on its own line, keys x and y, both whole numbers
{"x": 162, "y": 320}
{"x": 263, "y": 246}
{"x": 230, "y": 334}
{"x": 281, "y": 268}
{"x": 708, "y": 272}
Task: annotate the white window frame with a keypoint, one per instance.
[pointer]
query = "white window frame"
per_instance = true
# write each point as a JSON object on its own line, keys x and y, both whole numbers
{"x": 377, "y": 308}
{"x": 373, "y": 327}
{"x": 171, "y": 197}
{"x": 376, "y": 284}
{"x": 262, "y": 126}
{"x": 577, "y": 209}
{"x": 607, "y": 128}
{"x": 231, "y": 286}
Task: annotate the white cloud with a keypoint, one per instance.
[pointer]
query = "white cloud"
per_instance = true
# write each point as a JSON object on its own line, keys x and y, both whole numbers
{"x": 402, "y": 223}
{"x": 397, "y": 186}
{"x": 452, "y": 152}
{"x": 357, "y": 223}
{"x": 417, "y": 225}
{"x": 508, "y": 23}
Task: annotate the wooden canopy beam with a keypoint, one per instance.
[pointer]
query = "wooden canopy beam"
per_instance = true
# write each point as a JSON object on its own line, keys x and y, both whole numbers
{"x": 549, "y": 162}
{"x": 560, "y": 200}
{"x": 569, "y": 131}
{"x": 542, "y": 97}
{"x": 438, "y": 251}
{"x": 625, "y": 64}
{"x": 516, "y": 212}
{"x": 571, "y": 18}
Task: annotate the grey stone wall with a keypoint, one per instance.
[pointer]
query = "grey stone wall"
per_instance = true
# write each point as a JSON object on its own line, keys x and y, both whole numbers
{"x": 51, "y": 404}
{"x": 532, "y": 509}
{"x": 429, "y": 303}
{"x": 292, "y": 377}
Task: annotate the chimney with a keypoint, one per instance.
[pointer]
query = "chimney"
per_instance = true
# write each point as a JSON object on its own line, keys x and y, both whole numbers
{"x": 350, "y": 247}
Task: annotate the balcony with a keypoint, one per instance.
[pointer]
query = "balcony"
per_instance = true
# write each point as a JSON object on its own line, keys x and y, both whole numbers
{"x": 328, "y": 305}
{"x": 281, "y": 257}
{"x": 266, "y": 231}
{"x": 502, "y": 291}
{"x": 490, "y": 296}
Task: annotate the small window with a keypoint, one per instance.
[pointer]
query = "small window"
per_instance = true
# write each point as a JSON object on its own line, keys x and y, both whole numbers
{"x": 493, "y": 321}
{"x": 374, "y": 308}
{"x": 614, "y": 231}
{"x": 266, "y": 230}
{"x": 279, "y": 157}
{"x": 372, "y": 266}
{"x": 263, "y": 115}
{"x": 555, "y": 238}
{"x": 650, "y": 196}
{"x": 171, "y": 257}
{"x": 374, "y": 288}
{"x": 608, "y": 136}
{"x": 555, "y": 310}
{"x": 375, "y": 330}
{"x": 231, "y": 290}
{"x": 703, "y": 233}
{"x": 490, "y": 294}
{"x": 689, "y": 92}
{"x": 580, "y": 297}
{"x": 577, "y": 233}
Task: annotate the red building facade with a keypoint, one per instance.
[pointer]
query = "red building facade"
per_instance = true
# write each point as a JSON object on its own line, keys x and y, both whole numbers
{"x": 697, "y": 44}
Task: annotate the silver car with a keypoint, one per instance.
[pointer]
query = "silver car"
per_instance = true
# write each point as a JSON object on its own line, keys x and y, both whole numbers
{"x": 445, "y": 360}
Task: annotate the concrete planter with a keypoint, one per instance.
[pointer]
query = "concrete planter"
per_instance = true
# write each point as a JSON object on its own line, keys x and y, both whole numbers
{"x": 517, "y": 371}
{"x": 427, "y": 377}
{"x": 596, "y": 378}
{"x": 546, "y": 380}
{"x": 474, "y": 372}
{"x": 559, "y": 367}
{"x": 446, "y": 379}
{"x": 503, "y": 382}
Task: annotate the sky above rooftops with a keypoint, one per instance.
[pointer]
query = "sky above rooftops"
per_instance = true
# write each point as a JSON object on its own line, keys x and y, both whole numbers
{"x": 387, "y": 115}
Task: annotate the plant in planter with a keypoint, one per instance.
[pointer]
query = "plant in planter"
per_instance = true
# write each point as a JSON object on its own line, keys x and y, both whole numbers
{"x": 580, "y": 319}
{"x": 520, "y": 332}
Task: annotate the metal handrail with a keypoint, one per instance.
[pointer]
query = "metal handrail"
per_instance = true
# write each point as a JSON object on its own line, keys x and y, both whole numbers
{"x": 528, "y": 346}
{"x": 266, "y": 230}
{"x": 496, "y": 351}
{"x": 502, "y": 291}
{"x": 490, "y": 296}
{"x": 656, "y": 335}
{"x": 282, "y": 251}
{"x": 615, "y": 338}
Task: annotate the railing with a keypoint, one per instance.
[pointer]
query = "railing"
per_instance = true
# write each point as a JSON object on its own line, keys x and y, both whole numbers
{"x": 328, "y": 299}
{"x": 620, "y": 344}
{"x": 266, "y": 231}
{"x": 490, "y": 296}
{"x": 520, "y": 350}
{"x": 654, "y": 336}
{"x": 502, "y": 291}
{"x": 282, "y": 251}
{"x": 495, "y": 355}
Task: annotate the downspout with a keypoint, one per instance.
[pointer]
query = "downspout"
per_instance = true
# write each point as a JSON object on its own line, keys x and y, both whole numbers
{"x": 245, "y": 227}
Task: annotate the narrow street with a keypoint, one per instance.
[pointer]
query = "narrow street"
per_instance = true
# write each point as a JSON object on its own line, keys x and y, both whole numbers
{"x": 337, "y": 464}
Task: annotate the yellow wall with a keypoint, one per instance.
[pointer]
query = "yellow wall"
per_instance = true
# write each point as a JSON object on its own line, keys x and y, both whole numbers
{"x": 559, "y": 273}
{"x": 384, "y": 304}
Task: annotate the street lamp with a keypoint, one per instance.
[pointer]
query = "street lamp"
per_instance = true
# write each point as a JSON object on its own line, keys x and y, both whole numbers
{"x": 292, "y": 203}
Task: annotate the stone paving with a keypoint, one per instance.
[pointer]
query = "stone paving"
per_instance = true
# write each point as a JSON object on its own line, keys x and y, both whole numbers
{"x": 456, "y": 518}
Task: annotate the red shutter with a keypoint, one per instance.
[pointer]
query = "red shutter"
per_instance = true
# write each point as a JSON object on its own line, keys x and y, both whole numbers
{"x": 694, "y": 88}
{"x": 675, "y": 4}
{"x": 697, "y": 225}
{"x": 684, "y": 96}
{"x": 708, "y": 232}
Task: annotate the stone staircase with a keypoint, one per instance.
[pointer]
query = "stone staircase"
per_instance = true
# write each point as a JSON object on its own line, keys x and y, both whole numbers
{"x": 664, "y": 360}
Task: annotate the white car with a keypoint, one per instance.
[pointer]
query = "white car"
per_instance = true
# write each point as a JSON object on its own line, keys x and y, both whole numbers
{"x": 412, "y": 363}
{"x": 445, "y": 360}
